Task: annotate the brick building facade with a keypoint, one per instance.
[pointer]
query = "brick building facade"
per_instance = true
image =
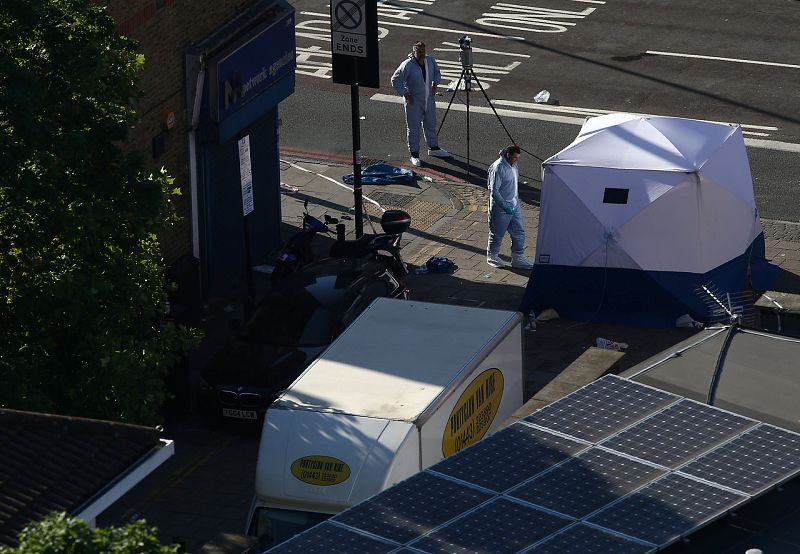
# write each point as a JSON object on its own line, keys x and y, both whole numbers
{"x": 163, "y": 30}
{"x": 166, "y": 30}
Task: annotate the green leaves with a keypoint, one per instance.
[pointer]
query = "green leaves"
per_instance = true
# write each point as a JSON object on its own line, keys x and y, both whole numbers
{"x": 61, "y": 534}
{"x": 81, "y": 274}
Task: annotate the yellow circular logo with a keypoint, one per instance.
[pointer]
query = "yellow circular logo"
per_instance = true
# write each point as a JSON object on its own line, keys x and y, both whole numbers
{"x": 320, "y": 470}
{"x": 474, "y": 412}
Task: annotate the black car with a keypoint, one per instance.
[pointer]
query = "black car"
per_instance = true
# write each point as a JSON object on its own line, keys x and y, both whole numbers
{"x": 287, "y": 330}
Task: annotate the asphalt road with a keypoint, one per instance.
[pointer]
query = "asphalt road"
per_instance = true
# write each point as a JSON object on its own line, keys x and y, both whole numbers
{"x": 718, "y": 60}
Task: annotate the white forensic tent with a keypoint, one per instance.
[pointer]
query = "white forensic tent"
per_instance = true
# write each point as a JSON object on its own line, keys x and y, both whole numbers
{"x": 638, "y": 212}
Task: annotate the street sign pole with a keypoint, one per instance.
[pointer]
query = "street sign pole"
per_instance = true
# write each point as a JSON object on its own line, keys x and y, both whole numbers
{"x": 357, "y": 197}
{"x": 354, "y": 57}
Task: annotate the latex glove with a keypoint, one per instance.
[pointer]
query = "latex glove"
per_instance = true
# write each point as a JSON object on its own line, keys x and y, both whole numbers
{"x": 509, "y": 209}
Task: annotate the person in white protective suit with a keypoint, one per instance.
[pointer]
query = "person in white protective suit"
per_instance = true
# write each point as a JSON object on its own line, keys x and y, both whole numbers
{"x": 505, "y": 210}
{"x": 416, "y": 79}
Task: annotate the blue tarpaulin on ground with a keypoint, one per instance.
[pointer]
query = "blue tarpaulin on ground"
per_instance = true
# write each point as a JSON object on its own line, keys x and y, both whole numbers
{"x": 383, "y": 174}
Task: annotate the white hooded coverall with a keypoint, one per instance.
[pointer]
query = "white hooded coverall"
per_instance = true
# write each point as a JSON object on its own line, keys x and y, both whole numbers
{"x": 422, "y": 110}
{"x": 504, "y": 198}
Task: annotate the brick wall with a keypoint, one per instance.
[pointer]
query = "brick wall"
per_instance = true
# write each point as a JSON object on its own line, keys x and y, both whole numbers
{"x": 163, "y": 29}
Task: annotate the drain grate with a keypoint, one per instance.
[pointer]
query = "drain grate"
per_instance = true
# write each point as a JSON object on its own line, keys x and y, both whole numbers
{"x": 391, "y": 200}
{"x": 423, "y": 214}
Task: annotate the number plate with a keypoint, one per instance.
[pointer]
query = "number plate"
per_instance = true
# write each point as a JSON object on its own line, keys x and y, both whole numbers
{"x": 240, "y": 414}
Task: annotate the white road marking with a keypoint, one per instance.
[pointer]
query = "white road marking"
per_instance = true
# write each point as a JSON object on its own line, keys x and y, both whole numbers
{"x": 773, "y": 145}
{"x": 424, "y": 28}
{"x": 456, "y": 48}
{"x": 718, "y": 58}
{"x": 596, "y": 111}
{"x": 754, "y": 133}
{"x": 385, "y": 10}
{"x": 335, "y": 182}
{"x": 532, "y": 18}
{"x": 308, "y": 65}
{"x": 552, "y": 117}
{"x": 452, "y": 71}
{"x": 485, "y": 109}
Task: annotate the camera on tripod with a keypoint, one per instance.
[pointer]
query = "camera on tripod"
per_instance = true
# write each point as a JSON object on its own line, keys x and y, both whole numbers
{"x": 465, "y": 55}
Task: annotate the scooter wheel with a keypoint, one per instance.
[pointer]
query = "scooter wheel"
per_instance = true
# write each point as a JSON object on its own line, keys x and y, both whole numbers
{"x": 280, "y": 273}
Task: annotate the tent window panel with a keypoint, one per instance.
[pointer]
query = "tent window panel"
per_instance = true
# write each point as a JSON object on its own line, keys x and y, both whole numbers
{"x": 615, "y": 196}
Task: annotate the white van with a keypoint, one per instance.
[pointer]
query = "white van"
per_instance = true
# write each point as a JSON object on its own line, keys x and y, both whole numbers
{"x": 407, "y": 384}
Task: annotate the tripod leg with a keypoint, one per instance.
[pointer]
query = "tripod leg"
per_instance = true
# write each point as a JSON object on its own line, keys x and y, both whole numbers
{"x": 469, "y": 86}
{"x": 447, "y": 111}
{"x": 480, "y": 86}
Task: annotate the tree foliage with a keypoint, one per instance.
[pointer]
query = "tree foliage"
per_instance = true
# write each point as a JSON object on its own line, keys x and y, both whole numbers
{"x": 61, "y": 534}
{"x": 81, "y": 276}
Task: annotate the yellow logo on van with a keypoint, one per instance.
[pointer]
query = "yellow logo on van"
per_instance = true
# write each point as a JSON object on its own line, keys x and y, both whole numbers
{"x": 474, "y": 412}
{"x": 320, "y": 470}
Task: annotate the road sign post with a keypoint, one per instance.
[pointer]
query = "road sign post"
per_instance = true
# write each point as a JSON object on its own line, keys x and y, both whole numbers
{"x": 354, "y": 52}
{"x": 358, "y": 200}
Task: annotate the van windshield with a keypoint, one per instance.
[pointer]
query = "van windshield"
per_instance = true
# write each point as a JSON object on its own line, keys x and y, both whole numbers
{"x": 293, "y": 320}
{"x": 274, "y": 525}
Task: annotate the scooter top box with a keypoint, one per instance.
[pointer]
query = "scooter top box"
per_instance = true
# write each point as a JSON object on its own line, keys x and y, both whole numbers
{"x": 395, "y": 222}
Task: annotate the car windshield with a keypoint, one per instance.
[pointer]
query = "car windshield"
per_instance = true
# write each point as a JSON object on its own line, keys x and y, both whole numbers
{"x": 297, "y": 319}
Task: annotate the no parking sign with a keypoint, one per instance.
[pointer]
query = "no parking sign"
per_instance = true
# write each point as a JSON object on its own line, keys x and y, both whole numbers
{"x": 354, "y": 42}
{"x": 348, "y": 28}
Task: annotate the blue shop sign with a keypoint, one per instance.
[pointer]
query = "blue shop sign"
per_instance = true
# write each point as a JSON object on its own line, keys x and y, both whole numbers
{"x": 255, "y": 66}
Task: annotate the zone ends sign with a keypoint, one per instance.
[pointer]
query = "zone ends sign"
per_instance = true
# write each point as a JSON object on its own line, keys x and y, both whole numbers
{"x": 354, "y": 42}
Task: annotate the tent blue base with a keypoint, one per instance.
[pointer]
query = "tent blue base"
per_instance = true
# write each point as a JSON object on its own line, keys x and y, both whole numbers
{"x": 637, "y": 297}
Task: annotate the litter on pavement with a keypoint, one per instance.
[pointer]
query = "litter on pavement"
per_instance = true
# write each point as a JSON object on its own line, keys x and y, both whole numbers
{"x": 437, "y": 264}
{"x": 610, "y": 344}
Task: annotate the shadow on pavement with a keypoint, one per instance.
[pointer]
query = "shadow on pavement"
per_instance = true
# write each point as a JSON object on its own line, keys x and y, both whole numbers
{"x": 787, "y": 282}
{"x": 554, "y": 344}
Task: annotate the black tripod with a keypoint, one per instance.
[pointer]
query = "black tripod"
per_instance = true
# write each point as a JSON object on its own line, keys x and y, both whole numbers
{"x": 467, "y": 74}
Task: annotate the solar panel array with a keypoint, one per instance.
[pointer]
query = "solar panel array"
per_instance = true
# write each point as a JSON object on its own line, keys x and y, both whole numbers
{"x": 615, "y": 467}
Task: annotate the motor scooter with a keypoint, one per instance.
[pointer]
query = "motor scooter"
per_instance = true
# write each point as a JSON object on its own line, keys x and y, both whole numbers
{"x": 298, "y": 251}
{"x": 381, "y": 246}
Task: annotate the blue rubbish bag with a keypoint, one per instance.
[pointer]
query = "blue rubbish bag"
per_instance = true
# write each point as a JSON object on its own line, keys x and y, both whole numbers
{"x": 440, "y": 264}
{"x": 383, "y": 174}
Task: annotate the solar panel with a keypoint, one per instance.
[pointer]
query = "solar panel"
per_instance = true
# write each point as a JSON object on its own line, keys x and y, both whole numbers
{"x": 664, "y": 467}
{"x": 327, "y": 538}
{"x": 666, "y": 509}
{"x": 498, "y": 527}
{"x": 417, "y": 505}
{"x": 587, "y": 482}
{"x": 761, "y": 457}
{"x": 678, "y": 433}
{"x": 508, "y": 458}
{"x": 582, "y": 538}
{"x": 601, "y": 408}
